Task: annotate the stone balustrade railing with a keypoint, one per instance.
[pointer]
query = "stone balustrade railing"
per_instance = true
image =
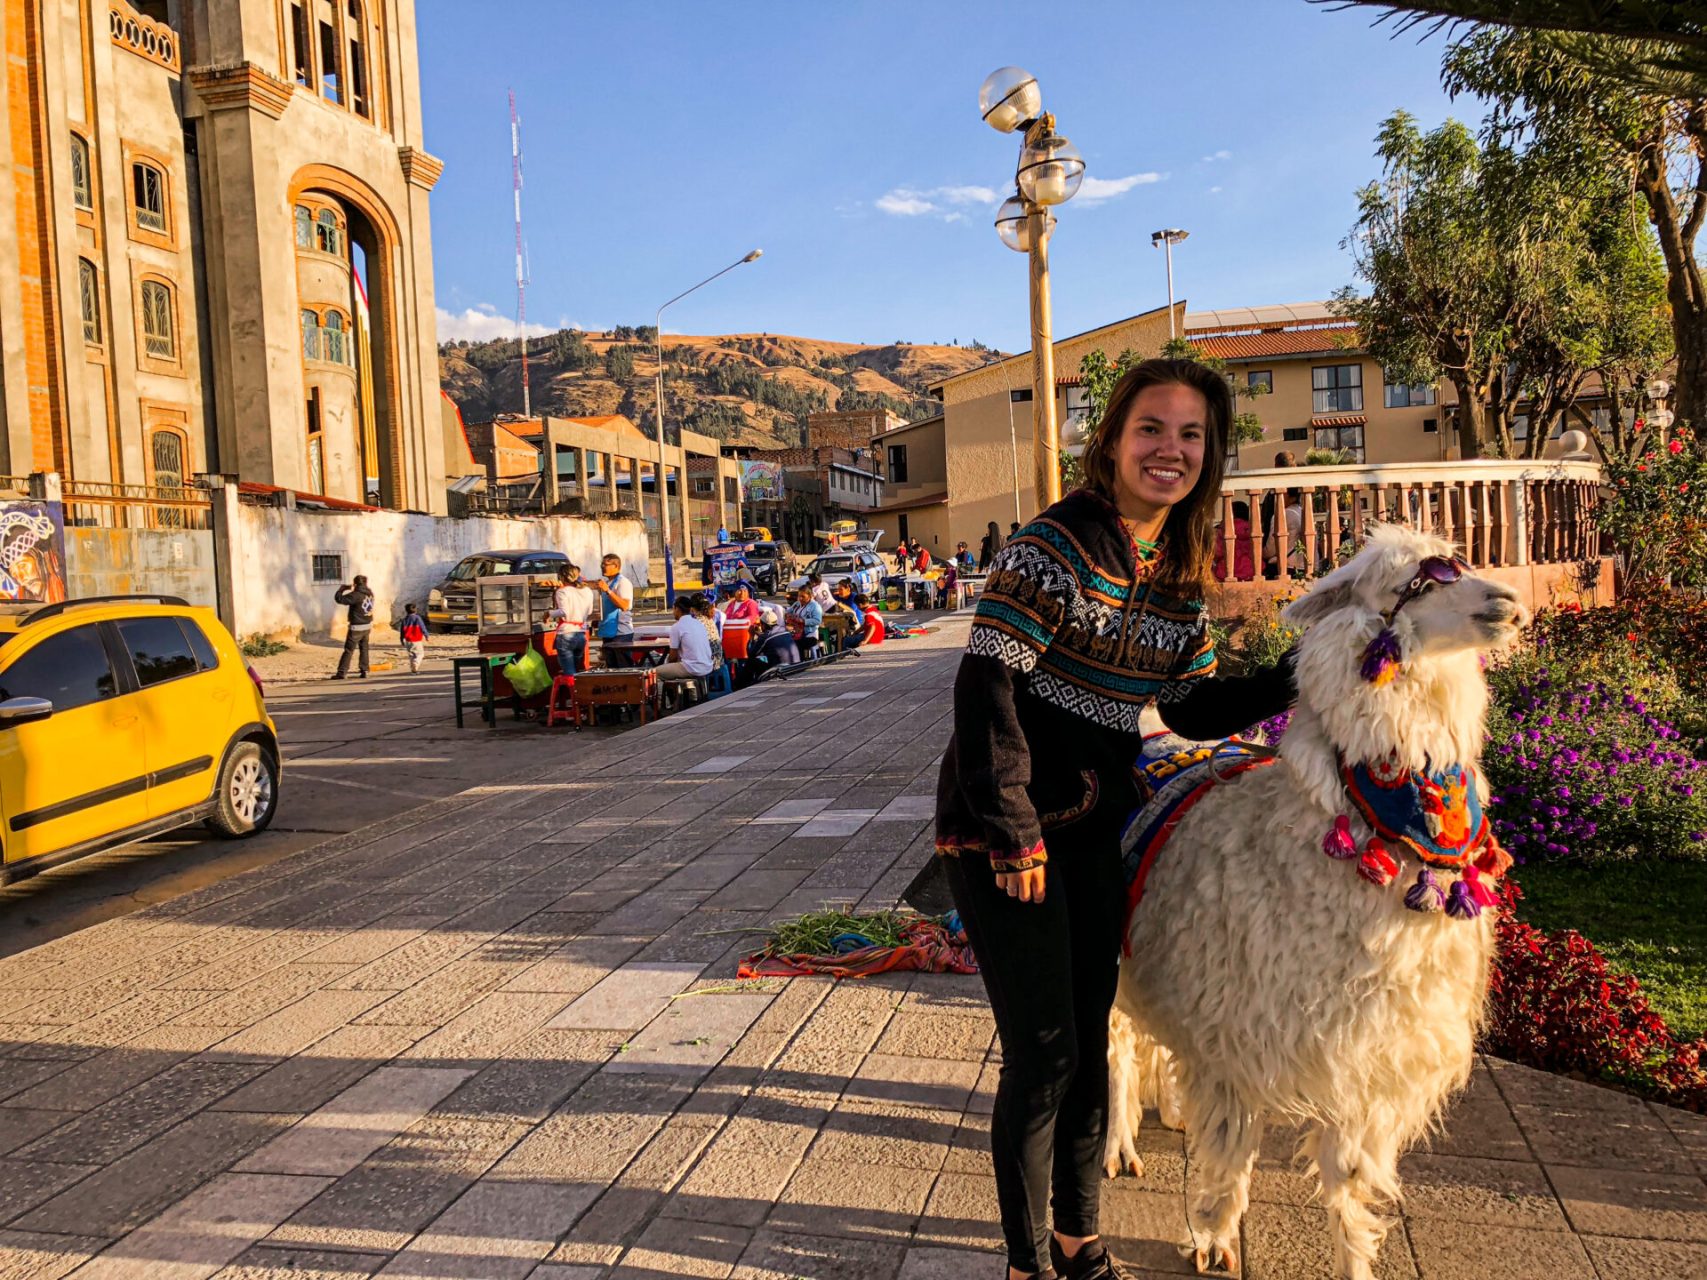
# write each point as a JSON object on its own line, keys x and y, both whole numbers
{"x": 1497, "y": 512}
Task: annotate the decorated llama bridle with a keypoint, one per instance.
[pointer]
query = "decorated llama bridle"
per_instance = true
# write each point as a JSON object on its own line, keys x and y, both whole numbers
{"x": 1433, "y": 814}
{"x": 1381, "y": 660}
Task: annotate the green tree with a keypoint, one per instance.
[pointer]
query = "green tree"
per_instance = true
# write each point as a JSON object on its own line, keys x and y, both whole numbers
{"x": 619, "y": 363}
{"x": 1650, "y": 135}
{"x": 1639, "y": 42}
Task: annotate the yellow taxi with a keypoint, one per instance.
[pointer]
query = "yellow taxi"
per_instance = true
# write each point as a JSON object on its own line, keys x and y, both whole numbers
{"x": 122, "y": 717}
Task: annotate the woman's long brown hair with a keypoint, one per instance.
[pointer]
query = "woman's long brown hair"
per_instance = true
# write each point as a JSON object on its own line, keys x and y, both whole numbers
{"x": 1188, "y": 535}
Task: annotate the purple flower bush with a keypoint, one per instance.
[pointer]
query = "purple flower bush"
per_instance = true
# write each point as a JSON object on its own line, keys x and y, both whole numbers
{"x": 1582, "y": 771}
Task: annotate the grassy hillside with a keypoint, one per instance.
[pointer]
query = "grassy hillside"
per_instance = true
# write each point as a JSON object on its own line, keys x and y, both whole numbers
{"x": 744, "y": 388}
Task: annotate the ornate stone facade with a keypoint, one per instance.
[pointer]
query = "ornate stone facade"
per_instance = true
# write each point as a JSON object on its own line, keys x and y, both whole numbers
{"x": 188, "y": 184}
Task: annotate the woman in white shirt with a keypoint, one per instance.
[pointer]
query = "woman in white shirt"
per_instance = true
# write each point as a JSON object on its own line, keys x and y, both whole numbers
{"x": 572, "y": 605}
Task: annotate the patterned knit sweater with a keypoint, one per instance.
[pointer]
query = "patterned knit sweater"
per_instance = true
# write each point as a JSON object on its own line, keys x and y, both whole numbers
{"x": 1069, "y": 644}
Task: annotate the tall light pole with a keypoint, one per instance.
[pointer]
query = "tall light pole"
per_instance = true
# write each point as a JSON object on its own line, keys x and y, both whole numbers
{"x": 1166, "y": 239}
{"x": 663, "y": 484}
{"x": 1049, "y": 172}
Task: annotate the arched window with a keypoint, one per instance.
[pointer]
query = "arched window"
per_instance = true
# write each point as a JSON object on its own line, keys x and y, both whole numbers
{"x": 159, "y": 323}
{"x": 310, "y": 334}
{"x": 89, "y": 294}
{"x": 332, "y": 338}
{"x": 329, "y": 234}
{"x": 304, "y": 227}
{"x": 170, "y": 465}
{"x": 167, "y": 448}
{"x": 148, "y": 197}
{"x": 82, "y": 179}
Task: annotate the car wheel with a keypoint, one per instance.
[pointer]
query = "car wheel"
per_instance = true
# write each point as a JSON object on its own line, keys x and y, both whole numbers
{"x": 248, "y": 792}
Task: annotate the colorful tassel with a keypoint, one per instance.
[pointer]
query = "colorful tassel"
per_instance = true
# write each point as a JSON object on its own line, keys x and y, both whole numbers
{"x": 1339, "y": 843}
{"x": 1381, "y": 658}
{"x": 1425, "y": 894}
{"x": 1479, "y": 889}
{"x": 1460, "y": 903}
{"x": 1377, "y": 865}
{"x": 1493, "y": 861}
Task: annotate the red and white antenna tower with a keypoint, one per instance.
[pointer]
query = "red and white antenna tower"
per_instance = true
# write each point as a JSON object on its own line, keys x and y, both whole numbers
{"x": 521, "y": 264}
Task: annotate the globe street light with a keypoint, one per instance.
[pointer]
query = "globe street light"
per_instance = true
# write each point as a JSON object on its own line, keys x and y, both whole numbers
{"x": 1049, "y": 172}
{"x": 1167, "y": 238}
{"x": 663, "y": 485}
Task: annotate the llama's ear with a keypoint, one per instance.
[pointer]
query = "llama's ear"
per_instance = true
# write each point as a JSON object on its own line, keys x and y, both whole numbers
{"x": 1318, "y": 602}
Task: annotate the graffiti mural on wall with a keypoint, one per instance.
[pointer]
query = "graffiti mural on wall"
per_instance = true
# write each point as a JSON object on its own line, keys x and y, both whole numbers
{"x": 32, "y": 551}
{"x": 760, "y": 481}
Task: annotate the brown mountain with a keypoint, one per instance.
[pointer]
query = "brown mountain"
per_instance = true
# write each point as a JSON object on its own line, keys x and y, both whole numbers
{"x": 744, "y": 388}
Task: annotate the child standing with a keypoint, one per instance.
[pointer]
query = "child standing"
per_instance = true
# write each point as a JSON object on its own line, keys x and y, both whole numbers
{"x": 413, "y": 632}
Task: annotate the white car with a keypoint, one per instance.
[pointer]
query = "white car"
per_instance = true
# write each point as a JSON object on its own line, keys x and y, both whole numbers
{"x": 862, "y": 568}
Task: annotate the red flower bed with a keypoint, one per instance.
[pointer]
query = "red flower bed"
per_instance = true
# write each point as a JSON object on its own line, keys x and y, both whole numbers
{"x": 1557, "y": 1006}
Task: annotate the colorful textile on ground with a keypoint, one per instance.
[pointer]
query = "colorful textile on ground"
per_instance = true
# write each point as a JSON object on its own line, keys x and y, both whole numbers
{"x": 1436, "y": 815}
{"x": 1173, "y": 774}
{"x": 935, "y": 945}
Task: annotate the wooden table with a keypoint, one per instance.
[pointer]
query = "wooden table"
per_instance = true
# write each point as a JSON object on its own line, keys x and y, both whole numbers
{"x": 635, "y": 687}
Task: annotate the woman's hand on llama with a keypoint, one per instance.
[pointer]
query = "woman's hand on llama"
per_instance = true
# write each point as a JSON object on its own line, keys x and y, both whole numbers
{"x": 1027, "y": 886}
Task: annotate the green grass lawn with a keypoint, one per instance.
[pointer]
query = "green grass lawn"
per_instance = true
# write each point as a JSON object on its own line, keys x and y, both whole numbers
{"x": 1647, "y": 918}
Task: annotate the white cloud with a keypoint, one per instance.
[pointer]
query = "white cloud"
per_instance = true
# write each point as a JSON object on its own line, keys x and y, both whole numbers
{"x": 967, "y": 195}
{"x": 1214, "y": 191}
{"x": 904, "y": 203}
{"x": 482, "y": 323}
{"x": 1094, "y": 189}
{"x": 941, "y": 202}
{"x": 1217, "y": 155}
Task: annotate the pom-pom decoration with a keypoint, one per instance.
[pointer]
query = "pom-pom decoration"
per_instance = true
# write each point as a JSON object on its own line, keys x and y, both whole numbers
{"x": 1381, "y": 658}
{"x": 1377, "y": 865}
{"x": 1339, "y": 842}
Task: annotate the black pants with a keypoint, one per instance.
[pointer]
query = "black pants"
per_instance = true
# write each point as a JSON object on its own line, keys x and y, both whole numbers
{"x": 353, "y": 641}
{"x": 1050, "y": 969}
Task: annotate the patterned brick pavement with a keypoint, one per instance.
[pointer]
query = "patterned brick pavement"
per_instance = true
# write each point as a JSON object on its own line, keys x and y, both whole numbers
{"x": 500, "y": 1037}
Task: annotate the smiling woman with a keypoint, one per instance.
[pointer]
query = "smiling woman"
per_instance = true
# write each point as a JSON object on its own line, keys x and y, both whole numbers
{"x": 1091, "y": 614}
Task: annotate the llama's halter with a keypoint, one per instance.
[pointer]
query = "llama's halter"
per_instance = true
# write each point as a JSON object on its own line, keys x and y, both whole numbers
{"x": 1432, "y": 815}
{"x": 1381, "y": 659}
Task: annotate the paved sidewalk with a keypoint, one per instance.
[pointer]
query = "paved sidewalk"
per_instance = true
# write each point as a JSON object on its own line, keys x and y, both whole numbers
{"x": 499, "y": 1037}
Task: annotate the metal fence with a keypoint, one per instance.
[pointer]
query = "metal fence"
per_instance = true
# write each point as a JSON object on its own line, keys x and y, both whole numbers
{"x": 91, "y": 505}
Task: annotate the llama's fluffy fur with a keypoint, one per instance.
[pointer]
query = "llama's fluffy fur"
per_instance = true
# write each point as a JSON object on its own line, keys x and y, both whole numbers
{"x": 1279, "y": 981}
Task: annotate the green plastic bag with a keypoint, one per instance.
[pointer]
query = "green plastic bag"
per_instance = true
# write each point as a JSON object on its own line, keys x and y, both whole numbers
{"x": 528, "y": 674}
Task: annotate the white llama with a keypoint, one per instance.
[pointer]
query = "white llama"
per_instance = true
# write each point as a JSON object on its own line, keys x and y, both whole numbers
{"x": 1288, "y": 983}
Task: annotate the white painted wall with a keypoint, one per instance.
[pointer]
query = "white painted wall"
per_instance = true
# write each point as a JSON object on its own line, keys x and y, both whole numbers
{"x": 403, "y": 555}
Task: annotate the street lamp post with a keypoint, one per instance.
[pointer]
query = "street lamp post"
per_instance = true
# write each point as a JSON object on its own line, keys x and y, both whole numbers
{"x": 1049, "y": 173}
{"x": 663, "y": 484}
{"x": 1166, "y": 239}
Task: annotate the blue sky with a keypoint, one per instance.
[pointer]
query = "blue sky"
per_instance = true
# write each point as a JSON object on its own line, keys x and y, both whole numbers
{"x": 663, "y": 141}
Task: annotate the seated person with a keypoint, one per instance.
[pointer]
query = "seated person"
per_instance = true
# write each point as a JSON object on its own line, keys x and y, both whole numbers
{"x": 805, "y": 616}
{"x": 945, "y": 585}
{"x": 690, "y": 646}
{"x": 872, "y": 631}
{"x": 842, "y": 601}
{"x": 772, "y": 647}
{"x": 963, "y": 557}
{"x": 1243, "y": 567}
{"x": 712, "y": 620}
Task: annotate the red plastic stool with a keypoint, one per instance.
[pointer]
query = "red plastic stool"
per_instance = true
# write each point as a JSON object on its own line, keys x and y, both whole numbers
{"x": 554, "y": 711}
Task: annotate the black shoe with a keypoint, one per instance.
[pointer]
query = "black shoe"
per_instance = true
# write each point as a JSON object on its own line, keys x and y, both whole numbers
{"x": 1092, "y": 1262}
{"x": 339, "y": 676}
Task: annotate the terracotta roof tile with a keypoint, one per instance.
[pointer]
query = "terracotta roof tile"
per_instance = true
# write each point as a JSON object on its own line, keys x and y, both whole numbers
{"x": 1277, "y": 342}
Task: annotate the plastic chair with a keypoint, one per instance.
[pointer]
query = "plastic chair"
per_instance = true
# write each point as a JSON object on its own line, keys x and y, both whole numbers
{"x": 555, "y": 711}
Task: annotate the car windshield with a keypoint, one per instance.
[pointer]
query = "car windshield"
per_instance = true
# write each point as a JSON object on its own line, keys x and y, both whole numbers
{"x": 761, "y": 552}
{"x": 479, "y": 567}
{"x": 833, "y": 564}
